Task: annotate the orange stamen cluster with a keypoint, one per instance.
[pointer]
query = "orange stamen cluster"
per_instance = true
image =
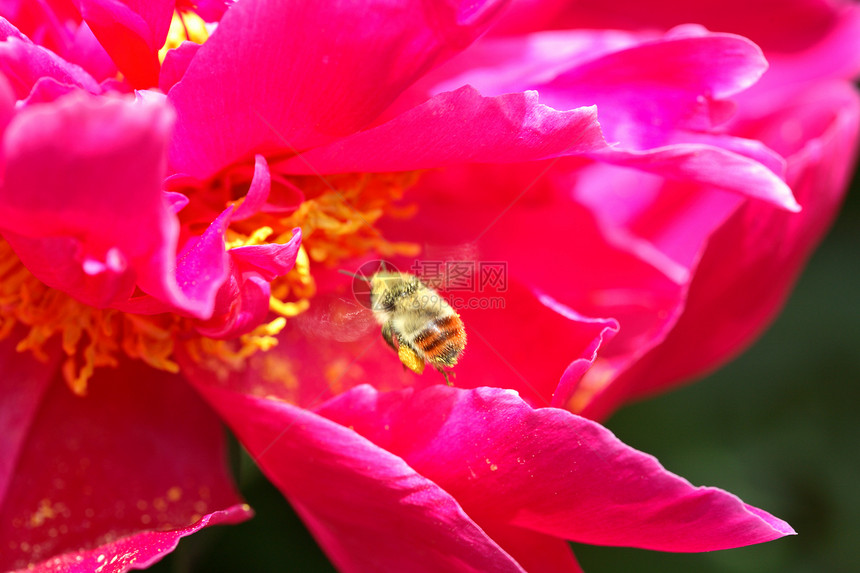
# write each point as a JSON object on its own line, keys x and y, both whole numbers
{"x": 89, "y": 337}
{"x": 337, "y": 220}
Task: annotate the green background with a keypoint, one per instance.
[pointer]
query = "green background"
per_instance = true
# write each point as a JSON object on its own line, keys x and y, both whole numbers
{"x": 778, "y": 427}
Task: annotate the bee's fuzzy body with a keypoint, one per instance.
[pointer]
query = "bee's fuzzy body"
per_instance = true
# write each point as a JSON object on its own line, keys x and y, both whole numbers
{"x": 416, "y": 321}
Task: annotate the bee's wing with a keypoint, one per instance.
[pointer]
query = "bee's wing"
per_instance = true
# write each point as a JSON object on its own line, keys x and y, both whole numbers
{"x": 339, "y": 319}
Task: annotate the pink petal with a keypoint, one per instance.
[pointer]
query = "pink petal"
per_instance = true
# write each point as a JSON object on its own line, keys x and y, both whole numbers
{"x": 245, "y": 306}
{"x": 91, "y": 219}
{"x": 23, "y": 63}
{"x": 7, "y": 111}
{"x": 514, "y": 128}
{"x": 46, "y": 90}
{"x": 268, "y": 79}
{"x": 645, "y": 91}
{"x": 535, "y": 552}
{"x": 666, "y": 223}
{"x": 203, "y": 264}
{"x": 66, "y": 198}
{"x": 833, "y": 54}
{"x": 495, "y": 65}
{"x": 269, "y": 261}
{"x": 132, "y": 32}
{"x": 24, "y": 383}
{"x": 752, "y": 261}
{"x": 209, "y": 10}
{"x": 242, "y": 303}
{"x": 137, "y": 551}
{"x": 175, "y": 63}
{"x": 682, "y": 76}
{"x": 176, "y": 201}
{"x": 8, "y": 30}
{"x": 366, "y": 507}
{"x": 524, "y": 214}
{"x": 499, "y": 354}
{"x": 710, "y": 166}
{"x": 258, "y": 192}
{"x": 131, "y": 467}
{"x": 47, "y": 23}
{"x": 460, "y": 127}
{"x": 87, "y": 52}
{"x": 800, "y": 22}
{"x": 548, "y": 470}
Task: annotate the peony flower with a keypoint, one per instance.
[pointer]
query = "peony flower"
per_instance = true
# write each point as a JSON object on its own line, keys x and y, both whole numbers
{"x": 171, "y": 237}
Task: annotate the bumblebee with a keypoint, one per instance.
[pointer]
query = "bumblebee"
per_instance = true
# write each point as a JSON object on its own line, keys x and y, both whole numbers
{"x": 416, "y": 322}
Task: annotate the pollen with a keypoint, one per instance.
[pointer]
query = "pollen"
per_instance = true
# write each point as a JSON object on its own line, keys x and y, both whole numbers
{"x": 184, "y": 27}
{"x": 410, "y": 359}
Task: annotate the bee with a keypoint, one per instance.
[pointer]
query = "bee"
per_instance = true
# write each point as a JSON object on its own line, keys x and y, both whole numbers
{"x": 416, "y": 322}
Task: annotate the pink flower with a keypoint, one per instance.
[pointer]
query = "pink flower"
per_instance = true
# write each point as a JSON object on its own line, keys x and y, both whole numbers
{"x": 151, "y": 257}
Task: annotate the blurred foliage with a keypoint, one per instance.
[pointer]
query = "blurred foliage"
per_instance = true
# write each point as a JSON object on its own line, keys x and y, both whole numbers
{"x": 777, "y": 427}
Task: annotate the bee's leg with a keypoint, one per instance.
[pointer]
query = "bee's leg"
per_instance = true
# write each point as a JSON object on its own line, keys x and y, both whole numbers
{"x": 388, "y": 335}
{"x": 447, "y": 380}
{"x": 444, "y": 373}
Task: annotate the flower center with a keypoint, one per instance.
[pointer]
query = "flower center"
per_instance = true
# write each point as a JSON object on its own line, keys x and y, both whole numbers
{"x": 337, "y": 218}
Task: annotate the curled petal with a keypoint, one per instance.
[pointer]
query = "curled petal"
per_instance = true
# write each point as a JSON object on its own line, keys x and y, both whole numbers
{"x": 461, "y": 127}
{"x": 269, "y": 261}
{"x": 98, "y": 203}
{"x": 646, "y": 91}
{"x": 708, "y": 165}
{"x": 91, "y": 219}
{"x": 203, "y": 264}
{"x": 258, "y": 193}
{"x": 175, "y": 63}
{"x": 245, "y": 91}
{"x": 356, "y": 497}
{"x": 548, "y": 470}
{"x": 25, "y": 63}
{"x": 243, "y": 300}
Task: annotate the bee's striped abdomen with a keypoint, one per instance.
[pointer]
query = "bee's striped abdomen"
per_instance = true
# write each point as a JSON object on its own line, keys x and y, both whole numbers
{"x": 442, "y": 340}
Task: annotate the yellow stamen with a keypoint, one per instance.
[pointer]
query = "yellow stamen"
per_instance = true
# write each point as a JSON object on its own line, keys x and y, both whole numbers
{"x": 89, "y": 337}
{"x": 337, "y": 221}
{"x": 258, "y": 237}
{"x": 184, "y": 27}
